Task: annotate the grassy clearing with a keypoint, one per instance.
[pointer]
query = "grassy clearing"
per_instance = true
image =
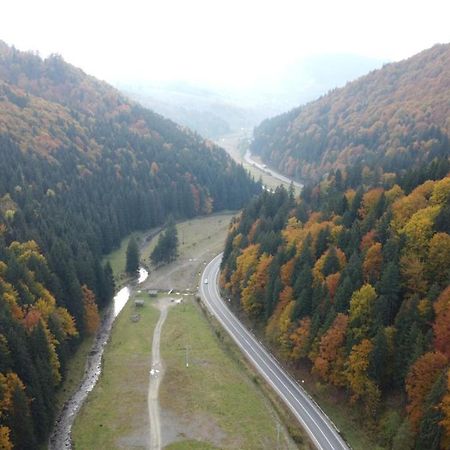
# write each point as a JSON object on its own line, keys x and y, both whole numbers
{"x": 213, "y": 398}
{"x": 115, "y": 414}
{"x": 196, "y": 236}
{"x": 117, "y": 258}
{"x": 200, "y": 240}
{"x": 190, "y": 445}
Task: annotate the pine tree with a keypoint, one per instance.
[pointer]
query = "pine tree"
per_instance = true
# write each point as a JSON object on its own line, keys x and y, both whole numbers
{"x": 132, "y": 261}
{"x": 166, "y": 249}
{"x": 331, "y": 264}
{"x": 379, "y": 359}
{"x": 20, "y": 422}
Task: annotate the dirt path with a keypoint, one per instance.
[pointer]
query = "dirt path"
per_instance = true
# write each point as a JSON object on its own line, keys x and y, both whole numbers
{"x": 156, "y": 375}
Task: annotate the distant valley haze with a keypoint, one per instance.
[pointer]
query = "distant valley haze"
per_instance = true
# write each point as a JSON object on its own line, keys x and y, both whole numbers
{"x": 214, "y": 110}
{"x": 217, "y": 67}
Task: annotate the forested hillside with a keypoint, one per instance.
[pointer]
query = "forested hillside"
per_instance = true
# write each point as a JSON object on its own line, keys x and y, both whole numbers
{"x": 353, "y": 284}
{"x": 389, "y": 120}
{"x": 80, "y": 167}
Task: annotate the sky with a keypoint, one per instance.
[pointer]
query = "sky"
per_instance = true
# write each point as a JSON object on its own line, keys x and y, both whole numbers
{"x": 225, "y": 42}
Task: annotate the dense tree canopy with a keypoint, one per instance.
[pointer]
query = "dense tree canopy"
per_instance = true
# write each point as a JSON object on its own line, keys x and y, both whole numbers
{"x": 81, "y": 167}
{"x": 132, "y": 257}
{"x": 392, "y": 119}
{"x": 355, "y": 285}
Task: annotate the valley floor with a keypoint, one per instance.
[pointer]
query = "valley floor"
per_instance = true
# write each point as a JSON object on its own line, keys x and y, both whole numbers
{"x": 207, "y": 397}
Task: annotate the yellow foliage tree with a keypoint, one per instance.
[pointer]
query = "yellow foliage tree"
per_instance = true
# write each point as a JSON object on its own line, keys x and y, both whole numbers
{"x": 252, "y": 294}
{"x": 5, "y": 443}
{"x": 419, "y": 230}
{"x": 245, "y": 264}
{"x": 362, "y": 386}
{"x": 91, "y": 316}
{"x": 441, "y": 192}
{"x": 299, "y": 339}
{"x": 438, "y": 261}
{"x": 361, "y": 311}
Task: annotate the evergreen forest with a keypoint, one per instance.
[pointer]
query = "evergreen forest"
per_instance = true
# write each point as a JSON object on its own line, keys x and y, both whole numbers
{"x": 81, "y": 167}
{"x": 353, "y": 283}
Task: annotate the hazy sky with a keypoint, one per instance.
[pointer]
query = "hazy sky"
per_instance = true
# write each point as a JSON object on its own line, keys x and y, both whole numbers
{"x": 226, "y": 41}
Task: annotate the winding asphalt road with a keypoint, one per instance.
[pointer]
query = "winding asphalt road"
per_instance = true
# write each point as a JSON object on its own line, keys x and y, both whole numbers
{"x": 320, "y": 429}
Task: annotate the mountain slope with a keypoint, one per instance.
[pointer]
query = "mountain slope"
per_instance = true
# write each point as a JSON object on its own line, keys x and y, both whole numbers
{"x": 354, "y": 287}
{"x": 392, "y": 118}
{"x": 81, "y": 166}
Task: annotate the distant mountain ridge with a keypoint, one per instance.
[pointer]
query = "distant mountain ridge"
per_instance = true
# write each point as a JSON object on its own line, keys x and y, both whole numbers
{"x": 397, "y": 116}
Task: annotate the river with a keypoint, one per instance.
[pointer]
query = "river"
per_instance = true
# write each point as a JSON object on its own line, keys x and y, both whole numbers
{"x": 61, "y": 436}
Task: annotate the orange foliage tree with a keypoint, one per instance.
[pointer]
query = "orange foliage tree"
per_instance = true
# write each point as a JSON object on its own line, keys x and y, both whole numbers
{"x": 441, "y": 326}
{"x": 91, "y": 316}
{"x": 329, "y": 364}
{"x": 373, "y": 262}
{"x": 299, "y": 339}
{"x": 420, "y": 379}
{"x": 445, "y": 408}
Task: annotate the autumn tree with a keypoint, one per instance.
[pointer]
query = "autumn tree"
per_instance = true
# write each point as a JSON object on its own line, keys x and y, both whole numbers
{"x": 431, "y": 433}
{"x": 358, "y": 379}
{"x": 421, "y": 377}
{"x": 252, "y": 296}
{"x": 373, "y": 262}
{"x": 299, "y": 339}
{"x": 438, "y": 260}
{"x": 329, "y": 364}
{"x": 445, "y": 410}
{"x": 361, "y": 315}
{"x": 91, "y": 315}
{"x": 245, "y": 265}
{"x": 441, "y": 325}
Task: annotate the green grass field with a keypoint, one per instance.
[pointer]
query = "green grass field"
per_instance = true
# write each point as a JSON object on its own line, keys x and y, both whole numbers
{"x": 214, "y": 398}
{"x": 213, "y": 403}
{"x": 115, "y": 414}
{"x": 197, "y": 236}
